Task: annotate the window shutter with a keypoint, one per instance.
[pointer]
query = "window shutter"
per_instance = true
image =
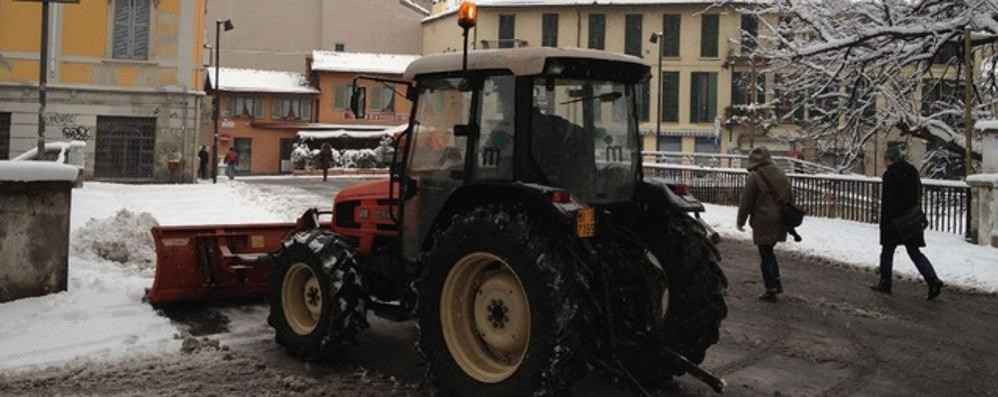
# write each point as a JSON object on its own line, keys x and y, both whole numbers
{"x": 711, "y": 98}
{"x": 275, "y": 109}
{"x": 140, "y": 29}
{"x": 632, "y": 34}
{"x": 306, "y": 110}
{"x": 122, "y": 28}
{"x": 340, "y": 97}
{"x": 669, "y": 99}
{"x": 507, "y": 31}
{"x": 257, "y": 107}
{"x": 708, "y": 36}
{"x": 671, "y": 29}
{"x": 597, "y": 31}
{"x": 228, "y": 106}
{"x": 549, "y": 29}
{"x": 695, "y": 97}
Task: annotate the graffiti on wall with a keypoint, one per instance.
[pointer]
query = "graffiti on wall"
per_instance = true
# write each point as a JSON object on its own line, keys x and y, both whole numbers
{"x": 70, "y": 128}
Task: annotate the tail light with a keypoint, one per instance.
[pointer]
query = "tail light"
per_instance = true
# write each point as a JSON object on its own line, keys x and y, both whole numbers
{"x": 560, "y": 196}
{"x": 680, "y": 189}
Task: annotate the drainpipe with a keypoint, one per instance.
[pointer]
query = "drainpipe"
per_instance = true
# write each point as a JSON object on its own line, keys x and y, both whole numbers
{"x": 578, "y": 27}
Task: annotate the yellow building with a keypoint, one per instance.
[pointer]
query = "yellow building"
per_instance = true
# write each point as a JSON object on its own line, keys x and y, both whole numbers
{"x": 697, "y": 40}
{"x": 125, "y": 75}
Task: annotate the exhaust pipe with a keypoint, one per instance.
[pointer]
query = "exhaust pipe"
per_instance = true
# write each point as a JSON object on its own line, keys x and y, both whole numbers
{"x": 709, "y": 231}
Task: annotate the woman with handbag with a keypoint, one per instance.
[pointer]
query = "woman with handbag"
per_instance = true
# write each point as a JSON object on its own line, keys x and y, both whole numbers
{"x": 902, "y": 223}
{"x": 767, "y": 189}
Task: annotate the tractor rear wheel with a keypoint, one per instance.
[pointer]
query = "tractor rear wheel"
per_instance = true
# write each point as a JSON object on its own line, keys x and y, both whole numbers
{"x": 316, "y": 295}
{"x": 499, "y": 308}
{"x": 690, "y": 295}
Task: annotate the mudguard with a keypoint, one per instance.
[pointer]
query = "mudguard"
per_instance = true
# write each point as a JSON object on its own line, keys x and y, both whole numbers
{"x": 660, "y": 191}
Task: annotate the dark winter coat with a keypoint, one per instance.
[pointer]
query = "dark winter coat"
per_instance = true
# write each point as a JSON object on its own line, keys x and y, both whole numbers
{"x": 902, "y": 190}
{"x": 758, "y": 205}
{"x": 325, "y": 157}
{"x": 203, "y": 157}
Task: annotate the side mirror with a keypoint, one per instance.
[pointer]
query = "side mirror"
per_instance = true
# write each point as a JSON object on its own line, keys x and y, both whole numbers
{"x": 357, "y": 101}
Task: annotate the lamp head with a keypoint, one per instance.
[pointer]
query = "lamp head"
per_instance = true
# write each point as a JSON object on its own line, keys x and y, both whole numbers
{"x": 227, "y": 25}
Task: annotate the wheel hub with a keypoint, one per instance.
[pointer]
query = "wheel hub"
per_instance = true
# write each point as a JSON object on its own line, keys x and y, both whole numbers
{"x": 301, "y": 299}
{"x": 485, "y": 317}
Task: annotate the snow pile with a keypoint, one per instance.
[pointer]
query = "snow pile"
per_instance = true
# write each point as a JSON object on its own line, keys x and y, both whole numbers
{"x": 857, "y": 244}
{"x": 123, "y": 238}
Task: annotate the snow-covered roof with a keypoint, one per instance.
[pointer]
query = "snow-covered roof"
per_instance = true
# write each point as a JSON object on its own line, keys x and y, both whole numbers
{"x": 360, "y": 62}
{"x": 255, "y": 80}
{"x": 343, "y": 133}
{"x": 34, "y": 171}
{"x": 553, "y": 3}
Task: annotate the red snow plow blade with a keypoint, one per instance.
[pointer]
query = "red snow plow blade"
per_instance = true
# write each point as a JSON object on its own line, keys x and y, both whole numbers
{"x": 215, "y": 262}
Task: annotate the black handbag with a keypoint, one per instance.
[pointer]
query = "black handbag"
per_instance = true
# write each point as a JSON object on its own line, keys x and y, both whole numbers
{"x": 910, "y": 224}
{"x": 792, "y": 215}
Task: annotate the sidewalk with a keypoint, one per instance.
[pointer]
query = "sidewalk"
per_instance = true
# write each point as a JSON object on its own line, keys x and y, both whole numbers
{"x": 957, "y": 262}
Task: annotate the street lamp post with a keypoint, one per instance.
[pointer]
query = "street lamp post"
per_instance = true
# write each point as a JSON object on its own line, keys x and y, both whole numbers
{"x": 658, "y": 38}
{"x": 218, "y": 98}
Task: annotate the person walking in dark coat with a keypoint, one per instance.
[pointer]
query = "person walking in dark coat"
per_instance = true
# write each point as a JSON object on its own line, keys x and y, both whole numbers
{"x": 325, "y": 159}
{"x": 759, "y": 206}
{"x": 902, "y": 191}
{"x": 203, "y": 162}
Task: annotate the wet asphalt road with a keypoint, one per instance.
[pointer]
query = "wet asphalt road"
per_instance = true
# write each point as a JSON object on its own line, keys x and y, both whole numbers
{"x": 828, "y": 335}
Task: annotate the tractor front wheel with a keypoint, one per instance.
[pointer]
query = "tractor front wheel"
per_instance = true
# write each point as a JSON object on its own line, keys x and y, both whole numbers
{"x": 316, "y": 295}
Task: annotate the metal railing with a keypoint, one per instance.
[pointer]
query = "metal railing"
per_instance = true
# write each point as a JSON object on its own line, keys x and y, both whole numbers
{"x": 787, "y": 164}
{"x": 848, "y": 197}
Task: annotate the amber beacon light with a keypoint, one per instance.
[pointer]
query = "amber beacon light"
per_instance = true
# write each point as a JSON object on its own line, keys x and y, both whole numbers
{"x": 467, "y": 15}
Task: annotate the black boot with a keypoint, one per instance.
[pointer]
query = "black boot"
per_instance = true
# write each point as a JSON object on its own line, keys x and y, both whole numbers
{"x": 768, "y": 296}
{"x": 934, "y": 289}
{"x": 881, "y": 288}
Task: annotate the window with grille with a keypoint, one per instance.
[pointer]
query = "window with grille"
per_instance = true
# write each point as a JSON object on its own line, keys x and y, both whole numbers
{"x": 507, "y": 31}
{"x": 597, "y": 31}
{"x": 291, "y": 109}
{"x": 703, "y": 97}
{"x": 125, "y": 147}
{"x": 4, "y": 136}
{"x": 708, "y": 35}
{"x": 632, "y": 34}
{"x": 243, "y": 107}
{"x": 549, "y": 30}
{"x": 131, "y": 29}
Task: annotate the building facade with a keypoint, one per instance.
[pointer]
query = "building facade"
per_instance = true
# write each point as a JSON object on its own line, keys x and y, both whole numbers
{"x": 383, "y": 26}
{"x": 262, "y": 111}
{"x": 124, "y": 75}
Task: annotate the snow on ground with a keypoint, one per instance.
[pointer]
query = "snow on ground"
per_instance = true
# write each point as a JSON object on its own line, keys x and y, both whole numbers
{"x": 102, "y": 314}
{"x": 956, "y": 262}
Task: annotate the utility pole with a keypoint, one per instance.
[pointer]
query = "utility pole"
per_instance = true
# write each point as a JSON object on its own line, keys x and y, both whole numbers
{"x": 753, "y": 73}
{"x": 968, "y": 100}
{"x": 43, "y": 73}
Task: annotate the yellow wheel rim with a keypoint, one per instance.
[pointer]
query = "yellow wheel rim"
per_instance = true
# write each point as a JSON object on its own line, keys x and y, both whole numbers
{"x": 301, "y": 298}
{"x": 485, "y": 317}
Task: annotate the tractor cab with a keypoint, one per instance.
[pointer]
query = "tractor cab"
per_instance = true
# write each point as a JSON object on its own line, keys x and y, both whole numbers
{"x": 564, "y": 119}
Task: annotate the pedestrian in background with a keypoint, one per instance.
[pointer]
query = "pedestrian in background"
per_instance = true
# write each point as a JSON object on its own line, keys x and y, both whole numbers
{"x": 325, "y": 159}
{"x": 231, "y": 160}
{"x": 901, "y": 198}
{"x": 203, "y": 162}
{"x": 765, "y": 187}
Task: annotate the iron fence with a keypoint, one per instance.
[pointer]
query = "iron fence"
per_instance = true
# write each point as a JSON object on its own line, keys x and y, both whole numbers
{"x": 848, "y": 197}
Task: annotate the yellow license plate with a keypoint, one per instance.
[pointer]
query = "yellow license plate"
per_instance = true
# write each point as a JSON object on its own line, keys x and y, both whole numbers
{"x": 585, "y": 222}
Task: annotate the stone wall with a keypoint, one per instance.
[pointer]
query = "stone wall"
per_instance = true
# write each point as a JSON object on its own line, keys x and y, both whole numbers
{"x": 34, "y": 238}
{"x": 984, "y": 208}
